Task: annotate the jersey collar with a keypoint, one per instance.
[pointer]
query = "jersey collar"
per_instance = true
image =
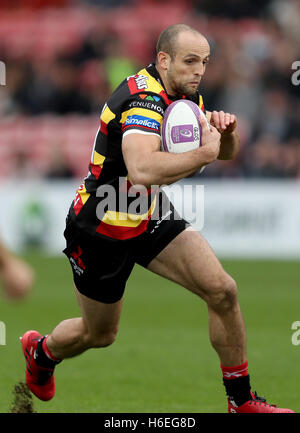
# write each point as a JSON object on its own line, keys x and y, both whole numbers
{"x": 151, "y": 69}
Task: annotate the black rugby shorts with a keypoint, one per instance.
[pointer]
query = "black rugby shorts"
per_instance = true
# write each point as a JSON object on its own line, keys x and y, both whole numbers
{"x": 101, "y": 265}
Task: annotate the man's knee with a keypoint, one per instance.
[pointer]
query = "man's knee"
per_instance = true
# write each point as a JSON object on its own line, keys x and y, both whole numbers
{"x": 102, "y": 339}
{"x": 222, "y": 294}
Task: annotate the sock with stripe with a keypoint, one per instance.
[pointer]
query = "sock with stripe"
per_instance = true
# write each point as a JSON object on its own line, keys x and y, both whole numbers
{"x": 43, "y": 356}
{"x": 237, "y": 383}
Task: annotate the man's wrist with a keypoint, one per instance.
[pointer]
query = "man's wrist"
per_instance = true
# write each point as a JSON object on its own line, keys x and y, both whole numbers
{"x": 228, "y": 133}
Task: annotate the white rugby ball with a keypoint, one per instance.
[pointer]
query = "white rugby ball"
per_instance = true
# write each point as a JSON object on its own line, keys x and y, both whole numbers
{"x": 181, "y": 130}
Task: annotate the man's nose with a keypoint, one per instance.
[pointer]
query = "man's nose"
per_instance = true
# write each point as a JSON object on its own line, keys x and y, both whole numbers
{"x": 199, "y": 71}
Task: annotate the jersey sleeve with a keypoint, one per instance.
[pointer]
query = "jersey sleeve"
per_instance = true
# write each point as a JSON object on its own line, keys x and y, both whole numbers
{"x": 143, "y": 114}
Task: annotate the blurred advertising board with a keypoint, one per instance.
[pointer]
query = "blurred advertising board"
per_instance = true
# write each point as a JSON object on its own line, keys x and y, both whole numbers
{"x": 239, "y": 219}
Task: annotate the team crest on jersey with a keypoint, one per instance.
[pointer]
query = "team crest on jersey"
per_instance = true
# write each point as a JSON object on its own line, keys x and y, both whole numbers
{"x": 76, "y": 261}
{"x": 141, "y": 82}
{"x": 137, "y": 83}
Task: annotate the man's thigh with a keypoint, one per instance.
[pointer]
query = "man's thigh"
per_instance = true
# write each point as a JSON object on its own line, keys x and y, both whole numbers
{"x": 99, "y": 317}
{"x": 190, "y": 261}
{"x": 100, "y": 266}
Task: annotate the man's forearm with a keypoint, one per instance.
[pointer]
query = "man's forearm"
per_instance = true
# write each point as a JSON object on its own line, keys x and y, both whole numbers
{"x": 147, "y": 166}
{"x": 167, "y": 168}
{"x": 230, "y": 144}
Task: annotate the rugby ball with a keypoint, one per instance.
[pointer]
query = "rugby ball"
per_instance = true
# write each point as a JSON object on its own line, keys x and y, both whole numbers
{"x": 181, "y": 129}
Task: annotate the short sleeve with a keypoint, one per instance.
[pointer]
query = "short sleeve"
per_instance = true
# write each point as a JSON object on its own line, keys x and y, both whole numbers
{"x": 143, "y": 114}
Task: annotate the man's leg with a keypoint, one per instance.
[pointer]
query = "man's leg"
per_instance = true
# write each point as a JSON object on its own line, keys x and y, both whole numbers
{"x": 189, "y": 261}
{"x": 97, "y": 327}
{"x": 100, "y": 270}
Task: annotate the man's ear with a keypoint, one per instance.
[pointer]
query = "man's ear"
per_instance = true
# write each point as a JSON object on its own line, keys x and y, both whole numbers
{"x": 164, "y": 60}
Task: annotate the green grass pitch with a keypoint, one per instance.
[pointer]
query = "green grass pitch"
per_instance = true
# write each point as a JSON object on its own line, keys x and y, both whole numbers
{"x": 162, "y": 360}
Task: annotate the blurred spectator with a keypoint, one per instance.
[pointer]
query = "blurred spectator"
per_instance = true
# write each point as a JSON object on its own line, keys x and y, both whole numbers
{"x": 233, "y": 9}
{"x": 287, "y": 14}
{"x": 23, "y": 167}
{"x": 35, "y": 4}
{"x": 66, "y": 96}
{"x": 274, "y": 114}
{"x": 265, "y": 158}
{"x": 58, "y": 165}
{"x": 84, "y": 54}
{"x": 93, "y": 83}
{"x": 290, "y": 158}
{"x": 118, "y": 64}
{"x": 93, "y": 46}
{"x": 105, "y": 3}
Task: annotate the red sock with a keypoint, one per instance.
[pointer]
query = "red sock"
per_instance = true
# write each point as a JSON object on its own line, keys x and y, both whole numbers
{"x": 237, "y": 383}
{"x": 235, "y": 372}
{"x": 47, "y": 351}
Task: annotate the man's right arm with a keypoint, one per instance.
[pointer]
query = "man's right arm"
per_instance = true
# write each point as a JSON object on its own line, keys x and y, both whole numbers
{"x": 16, "y": 276}
{"x": 147, "y": 165}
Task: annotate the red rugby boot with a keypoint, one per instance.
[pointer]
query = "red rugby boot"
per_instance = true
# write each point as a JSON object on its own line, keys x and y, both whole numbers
{"x": 39, "y": 380}
{"x": 256, "y": 405}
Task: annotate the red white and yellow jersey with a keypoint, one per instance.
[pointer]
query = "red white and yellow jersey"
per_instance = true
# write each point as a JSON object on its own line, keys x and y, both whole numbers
{"x": 104, "y": 203}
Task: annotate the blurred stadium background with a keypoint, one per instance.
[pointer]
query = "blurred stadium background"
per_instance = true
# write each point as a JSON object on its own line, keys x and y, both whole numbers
{"x": 63, "y": 58}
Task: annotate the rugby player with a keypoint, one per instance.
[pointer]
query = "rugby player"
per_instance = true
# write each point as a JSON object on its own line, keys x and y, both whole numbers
{"x": 16, "y": 276}
{"x": 104, "y": 240}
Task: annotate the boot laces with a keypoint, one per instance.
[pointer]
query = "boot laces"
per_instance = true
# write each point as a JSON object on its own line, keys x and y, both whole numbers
{"x": 255, "y": 399}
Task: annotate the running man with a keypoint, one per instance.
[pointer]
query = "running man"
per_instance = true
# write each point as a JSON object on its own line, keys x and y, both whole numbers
{"x": 104, "y": 239}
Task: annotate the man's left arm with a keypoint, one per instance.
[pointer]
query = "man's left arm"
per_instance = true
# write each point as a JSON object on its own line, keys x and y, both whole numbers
{"x": 226, "y": 124}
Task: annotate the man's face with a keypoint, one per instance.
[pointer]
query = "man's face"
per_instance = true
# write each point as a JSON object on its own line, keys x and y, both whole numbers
{"x": 187, "y": 67}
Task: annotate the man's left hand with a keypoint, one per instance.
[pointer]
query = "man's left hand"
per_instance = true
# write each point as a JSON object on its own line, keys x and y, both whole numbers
{"x": 224, "y": 122}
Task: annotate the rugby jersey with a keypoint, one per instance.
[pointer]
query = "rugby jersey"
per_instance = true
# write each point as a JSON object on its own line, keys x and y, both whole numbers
{"x": 104, "y": 204}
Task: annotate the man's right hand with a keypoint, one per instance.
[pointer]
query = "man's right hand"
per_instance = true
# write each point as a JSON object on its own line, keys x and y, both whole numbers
{"x": 16, "y": 276}
{"x": 211, "y": 140}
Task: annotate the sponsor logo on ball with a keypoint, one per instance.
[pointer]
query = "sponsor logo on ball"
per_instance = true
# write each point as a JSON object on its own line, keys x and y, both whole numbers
{"x": 186, "y": 133}
{"x": 182, "y": 133}
{"x": 196, "y": 133}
